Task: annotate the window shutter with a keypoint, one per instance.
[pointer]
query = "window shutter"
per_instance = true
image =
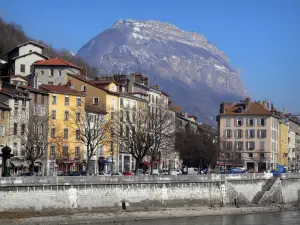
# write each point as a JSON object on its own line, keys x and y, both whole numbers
{"x": 242, "y": 133}
{"x": 247, "y": 133}
{"x": 247, "y": 145}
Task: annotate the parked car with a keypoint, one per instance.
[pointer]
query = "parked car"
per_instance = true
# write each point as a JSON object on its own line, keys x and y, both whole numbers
{"x": 117, "y": 174}
{"x": 73, "y": 173}
{"x": 60, "y": 173}
{"x": 175, "y": 172}
{"x": 192, "y": 170}
{"x": 102, "y": 173}
{"x": 127, "y": 173}
{"x": 155, "y": 172}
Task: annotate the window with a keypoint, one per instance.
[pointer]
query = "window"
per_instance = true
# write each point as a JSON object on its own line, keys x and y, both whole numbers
{"x": 112, "y": 115}
{"x": 121, "y": 115}
{"x": 35, "y": 98}
{"x": 113, "y": 88}
{"x": 42, "y": 129}
{"x": 53, "y": 132}
{"x": 261, "y": 155}
{"x": 112, "y": 132}
{"x": 261, "y": 122}
{"x": 59, "y": 72}
{"x": 250, "y": 145}
{"x": 53, "y": 114}
{"x": 51, "y": 83}
{"x": 2, "y": 131}
{"x": 78, "y": 116}
{"x": 53, "y": 99}
{"x": 239, "y": 133}
{"x": 67, "y": 100}
{"x": 30, "y": 50}
{"x": 239, "y": 145}
{"x": 262, "y": 133}
{"x": 83, "y": 88}
{"x": 15, "y": 149}
{"x": 22, "y": 69}
{"x": 152, "y": 99}
{"x": 15, "y": 128}
{"x": 228, "y": 145}
{"x": 239, "y": 122}
{"x": 112, "y": 103}
{"x": 16, "y": 102}
{"x": 22, "y": 129}
{"x": 250, "y": 133}
{"x": 42, "y": 99}
{"x": 250, "y": 155}
{"x": 121, "y": 103}
{"x": 42, "y": 72}
{"x": 51, "y": 72}
{"x": 227, "y": 122}
{"x": 2, "y": 114}
{"x": 24, "y": 103}
{"x": 228, "y": 133}
{"x": 78, "y": 101}
{"x": 121, "y": 130}
{"x": 262, "y": 145}
{"x": 127, "y": 131}
{"x": 52, "y": 150}
{"x": 77, "y": 134}
{"x": 16, "y": 111}
{"x": 77, "y": 152}
{"x": 67, "y": 115}
{"x": 95, "y": 100}
{"x": 66, "y": 133}
{"x": 250, "y": 122}
{"x": 66, "y": 151}
{"x": 156, "y": 101}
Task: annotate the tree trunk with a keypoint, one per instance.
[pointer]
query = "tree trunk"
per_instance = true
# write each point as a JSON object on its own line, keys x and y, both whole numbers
{"x": 31, "y": 168}
{"x": 138, "y": 160}
{"x": 87, "y": 167}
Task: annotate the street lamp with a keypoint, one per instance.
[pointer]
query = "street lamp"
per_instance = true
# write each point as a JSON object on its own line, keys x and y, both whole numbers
{"x": 5, "y": 156}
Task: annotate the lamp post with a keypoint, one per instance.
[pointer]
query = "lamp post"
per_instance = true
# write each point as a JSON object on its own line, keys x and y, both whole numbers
{"x": 5, "y": 156}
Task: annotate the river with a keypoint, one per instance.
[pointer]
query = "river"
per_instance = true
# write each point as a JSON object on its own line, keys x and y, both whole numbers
{"x": 278, "y": 218}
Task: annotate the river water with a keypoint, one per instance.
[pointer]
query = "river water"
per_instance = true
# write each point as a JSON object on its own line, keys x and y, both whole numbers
{"x": 278, "y": 218}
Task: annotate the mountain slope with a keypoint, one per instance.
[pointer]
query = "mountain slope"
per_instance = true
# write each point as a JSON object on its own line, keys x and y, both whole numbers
{"x": 182, "y": 63}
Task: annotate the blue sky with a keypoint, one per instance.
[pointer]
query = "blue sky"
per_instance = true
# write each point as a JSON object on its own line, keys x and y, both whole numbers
{"x": 261, "y": 38}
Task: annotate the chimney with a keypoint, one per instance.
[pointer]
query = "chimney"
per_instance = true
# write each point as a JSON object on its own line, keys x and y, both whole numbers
{"x": 69, "y": 84}
{"x": 247, "y": 103}
{"x": 272, "y": 107}
{"x": 222, "y": 108}
{"x": 132, "y": 77}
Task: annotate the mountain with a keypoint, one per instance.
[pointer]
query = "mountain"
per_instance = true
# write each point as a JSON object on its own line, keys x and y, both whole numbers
{"x": 11, "y": 35}
{"x": 185, "y": 64}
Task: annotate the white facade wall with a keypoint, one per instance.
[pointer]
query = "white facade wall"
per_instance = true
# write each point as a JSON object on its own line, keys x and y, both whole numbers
{"x": 58, "y": 76}
{"x": 29, "y": 48}
{"x": 274, "y": 141}
{"x": 27, "y": 61}
{"x": 292, "y": 149}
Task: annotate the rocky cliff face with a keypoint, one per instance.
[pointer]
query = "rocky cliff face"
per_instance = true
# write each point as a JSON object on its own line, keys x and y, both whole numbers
{"x": 185, "y": 64}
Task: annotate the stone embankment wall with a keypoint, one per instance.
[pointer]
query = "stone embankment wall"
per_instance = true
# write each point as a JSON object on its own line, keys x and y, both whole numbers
{"x": 105, "y": 193}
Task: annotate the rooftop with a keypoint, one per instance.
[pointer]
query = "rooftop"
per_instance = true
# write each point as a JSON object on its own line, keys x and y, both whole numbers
{"x": 26, "y": 43}
{"x": 56, "y": 62}
{"x": 61, "y": 89}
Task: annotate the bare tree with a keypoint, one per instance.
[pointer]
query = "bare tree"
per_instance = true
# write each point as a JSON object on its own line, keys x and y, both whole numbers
{"x": 145, "y": 131}
{"x": 92, "y": 128}
{"x": 34, "y": 135}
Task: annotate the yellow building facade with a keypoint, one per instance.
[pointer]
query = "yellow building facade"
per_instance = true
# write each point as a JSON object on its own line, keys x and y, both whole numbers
{"x": 105, "y": 96}
{"x": 66, "y": 150}
{"x": 284, "y": 144}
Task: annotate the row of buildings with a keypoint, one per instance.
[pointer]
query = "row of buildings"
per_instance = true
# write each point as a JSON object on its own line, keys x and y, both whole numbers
{"x": 34, "y": 86}
{"x": 255, "y": 135}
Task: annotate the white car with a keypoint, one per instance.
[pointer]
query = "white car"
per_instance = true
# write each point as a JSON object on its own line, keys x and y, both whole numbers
{"x": 176, "y": 172}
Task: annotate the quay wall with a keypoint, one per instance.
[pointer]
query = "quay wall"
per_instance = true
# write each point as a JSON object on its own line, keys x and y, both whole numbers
{"x": 109, "y": 193}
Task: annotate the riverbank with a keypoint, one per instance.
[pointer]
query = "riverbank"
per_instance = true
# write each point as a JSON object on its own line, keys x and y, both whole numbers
{"x": 86, "y": 218}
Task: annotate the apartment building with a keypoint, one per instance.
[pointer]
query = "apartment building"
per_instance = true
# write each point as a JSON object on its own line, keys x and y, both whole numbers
{"x": 22, "y": 57}
{"x": 249, "y": 134}
{"x": 65, "y": 149}
{"x": 4, "y": 128}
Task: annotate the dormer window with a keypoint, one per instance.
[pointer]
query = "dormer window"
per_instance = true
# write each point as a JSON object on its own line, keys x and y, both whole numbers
{"x": 240, "y": 109}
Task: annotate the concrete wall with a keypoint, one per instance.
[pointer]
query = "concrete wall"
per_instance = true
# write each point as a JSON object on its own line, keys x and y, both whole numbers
{"x": 107, "y": 193}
